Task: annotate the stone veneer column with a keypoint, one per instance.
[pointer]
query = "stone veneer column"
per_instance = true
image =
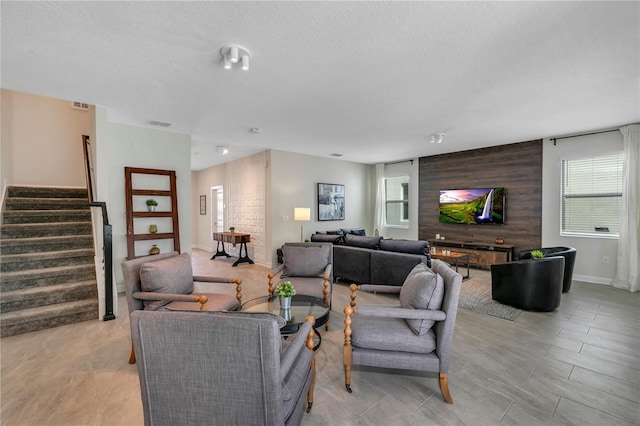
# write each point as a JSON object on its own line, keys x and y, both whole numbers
{"x": 245, "y": 200}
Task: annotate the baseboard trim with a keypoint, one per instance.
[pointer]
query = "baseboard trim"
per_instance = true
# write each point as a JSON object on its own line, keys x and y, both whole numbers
{"x": 593, "y": 280}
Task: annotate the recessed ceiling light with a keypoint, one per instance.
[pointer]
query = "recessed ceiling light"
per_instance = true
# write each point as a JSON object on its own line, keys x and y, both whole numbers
{"x": 222, "y": 150}
{"x": 335, "y": 154}
{"x": 159, "y": 123}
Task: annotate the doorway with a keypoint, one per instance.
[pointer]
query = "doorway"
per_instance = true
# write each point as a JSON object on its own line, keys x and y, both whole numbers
{"x": 217, "y": 209}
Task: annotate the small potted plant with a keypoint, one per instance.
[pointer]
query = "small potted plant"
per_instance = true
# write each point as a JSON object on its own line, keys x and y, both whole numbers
{"x": 232, "y": 229}
{"x": 151, "y": 204}
{"x": 285, "y": 291}
{"x": 537, "y": 254}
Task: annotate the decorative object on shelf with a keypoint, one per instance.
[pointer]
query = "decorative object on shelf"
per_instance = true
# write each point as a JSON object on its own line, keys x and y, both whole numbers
{"x": 203, "y": 204}
{"x": 153, "y": 228}
{"x": 537, "y": 254}
{"x": 285, "y": 291}
{"x": 499, "y": 240}
{"x": 331, "y": 201}
{"x": 154, "y": 250}
{"x": 151, "y": 204}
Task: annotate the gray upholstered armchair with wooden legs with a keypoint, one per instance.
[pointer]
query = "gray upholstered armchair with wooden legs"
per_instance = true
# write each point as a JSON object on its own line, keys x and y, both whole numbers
{"x": 308, "y": 266}
{"x": 223, "y": 368}
{"x": 165, "y": 282}
{"x": 416, "y": 335}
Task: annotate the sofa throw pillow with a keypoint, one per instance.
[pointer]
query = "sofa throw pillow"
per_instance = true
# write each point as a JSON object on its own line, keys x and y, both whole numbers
{"x": 406, "y": 246}
{"x": 354, "y": 231}
{"x": 326, "y": 238}
{"x": 171, "y": 275}
{"x": 372, "y": 243}
{"x": 305, "y": 260}
{"x": 422, "y": 289}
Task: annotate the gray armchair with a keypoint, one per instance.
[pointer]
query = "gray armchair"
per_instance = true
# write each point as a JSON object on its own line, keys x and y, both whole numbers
{"x": 225, "y": 368}
{"x": 165, "y": 282}
{"x": 309, "y": 268}
{"x": 416, "y": 335}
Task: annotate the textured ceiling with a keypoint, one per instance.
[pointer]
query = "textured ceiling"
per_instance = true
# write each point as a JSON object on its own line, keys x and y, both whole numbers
{"x": 369, "y": 80}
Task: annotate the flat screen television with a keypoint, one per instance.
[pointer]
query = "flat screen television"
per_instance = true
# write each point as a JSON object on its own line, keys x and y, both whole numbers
{"x": 472, "y": 206}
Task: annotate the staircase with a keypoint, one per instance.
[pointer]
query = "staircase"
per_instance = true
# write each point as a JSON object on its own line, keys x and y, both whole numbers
{"x": 47, "y": 272}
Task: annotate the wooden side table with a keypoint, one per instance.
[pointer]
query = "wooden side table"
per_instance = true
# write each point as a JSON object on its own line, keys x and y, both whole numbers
{"x": 232, "y": 238}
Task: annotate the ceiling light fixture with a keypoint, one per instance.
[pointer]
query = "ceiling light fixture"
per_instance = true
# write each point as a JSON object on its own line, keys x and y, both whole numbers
{"x": 254, "y": 130}
{"x": 437, "y": 138}
{"x": 233, "y": 54}
{"x": 222, "y": 150}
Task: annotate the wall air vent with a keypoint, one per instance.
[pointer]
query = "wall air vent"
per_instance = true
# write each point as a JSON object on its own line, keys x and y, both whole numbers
{"x": 80, "y": 105}
{"x": 159, "y": 123}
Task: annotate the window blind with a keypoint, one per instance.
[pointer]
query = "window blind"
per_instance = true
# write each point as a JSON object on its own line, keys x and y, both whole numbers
{"x": 591, "y": 194}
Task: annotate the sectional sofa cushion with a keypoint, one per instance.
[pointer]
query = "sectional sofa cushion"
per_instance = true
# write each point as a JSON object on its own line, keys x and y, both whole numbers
{"x": 390, "y": 268}
{"x": 405, "y": 246}
{"x": 354, "y": 231}
{"x": 352, "y": 263}
{"x": 372, "y": 243}
{"x": 171, "y": 275}
{"x": 327, "y": 238}
{"x": 422, "y": 289}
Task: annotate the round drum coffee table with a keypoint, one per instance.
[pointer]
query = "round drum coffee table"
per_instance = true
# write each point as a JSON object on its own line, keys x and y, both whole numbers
{"x": 301, "y": 307}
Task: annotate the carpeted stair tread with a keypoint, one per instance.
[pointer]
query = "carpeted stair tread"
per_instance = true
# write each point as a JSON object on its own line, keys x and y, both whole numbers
{"x": 16, "y": 280}
{"x": 44, "y": 244}
{"x": 31, "y": 230}
{"x": 46, "y": 192}
{"x": 10, "y": 296}
{"x": 51, "y": 259}
{"x": 42, "y": 296}
{"x": 46, "y": 203}
{"x": 50, "y": 316}
{"x": 45, "y": 216}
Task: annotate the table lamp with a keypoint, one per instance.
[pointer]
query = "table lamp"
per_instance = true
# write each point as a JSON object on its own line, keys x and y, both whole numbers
{"x": 302, "y": 214}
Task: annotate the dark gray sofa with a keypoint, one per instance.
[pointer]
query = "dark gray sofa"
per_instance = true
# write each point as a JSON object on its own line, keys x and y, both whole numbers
{"x": 384, "y": 263}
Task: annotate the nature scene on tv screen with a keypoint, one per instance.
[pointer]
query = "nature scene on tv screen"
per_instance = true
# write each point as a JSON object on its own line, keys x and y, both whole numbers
{"x": 472, "y": 206}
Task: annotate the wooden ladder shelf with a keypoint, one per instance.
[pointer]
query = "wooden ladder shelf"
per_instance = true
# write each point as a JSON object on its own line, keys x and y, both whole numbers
{"x": 133, "y": 214}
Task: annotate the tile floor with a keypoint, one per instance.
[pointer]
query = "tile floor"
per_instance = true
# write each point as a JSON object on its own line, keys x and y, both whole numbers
{"x": 578, "y": 365}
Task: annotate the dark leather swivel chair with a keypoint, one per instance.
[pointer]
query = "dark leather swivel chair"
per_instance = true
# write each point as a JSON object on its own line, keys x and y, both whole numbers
{"x": 569, "y": 254}
{"x": 530, "y": 284}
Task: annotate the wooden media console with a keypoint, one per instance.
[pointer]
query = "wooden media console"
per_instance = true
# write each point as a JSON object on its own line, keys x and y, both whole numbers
{"x": 481, "y": 254}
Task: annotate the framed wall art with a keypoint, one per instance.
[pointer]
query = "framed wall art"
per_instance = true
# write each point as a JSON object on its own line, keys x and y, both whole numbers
{"x": 203, "y": 204}
{"x": 330, "y": 201}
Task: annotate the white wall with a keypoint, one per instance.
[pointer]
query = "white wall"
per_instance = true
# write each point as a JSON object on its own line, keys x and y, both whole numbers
{"x": 590, "y": 251}
{"x": 294, "y": 179}
{"x": 121, "y": 146}
{"x": 201, "y": 183}
{"x": 290, "y": 181}
{"x": 404, "y": 169}
{"x": 42, "y": 141}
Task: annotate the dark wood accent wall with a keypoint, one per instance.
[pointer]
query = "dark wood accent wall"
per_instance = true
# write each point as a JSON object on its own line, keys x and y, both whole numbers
{"x": 516, "y": 167}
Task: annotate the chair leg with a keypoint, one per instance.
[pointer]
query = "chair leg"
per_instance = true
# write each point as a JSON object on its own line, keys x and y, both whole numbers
{"x": 132, "y": 357}
{"x": 444, "y": 388}
{"x": 347, "y": 349}
{"x": 310, "y": 345}
{"x": 347, "y": 378}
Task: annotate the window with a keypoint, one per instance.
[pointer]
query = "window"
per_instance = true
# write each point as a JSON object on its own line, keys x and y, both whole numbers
{"x": 397, "y": 201}
{"x": 591, "y": 195}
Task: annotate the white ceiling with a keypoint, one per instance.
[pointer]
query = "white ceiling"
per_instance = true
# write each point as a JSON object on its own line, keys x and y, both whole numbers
{"x": 369, "y": 80}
